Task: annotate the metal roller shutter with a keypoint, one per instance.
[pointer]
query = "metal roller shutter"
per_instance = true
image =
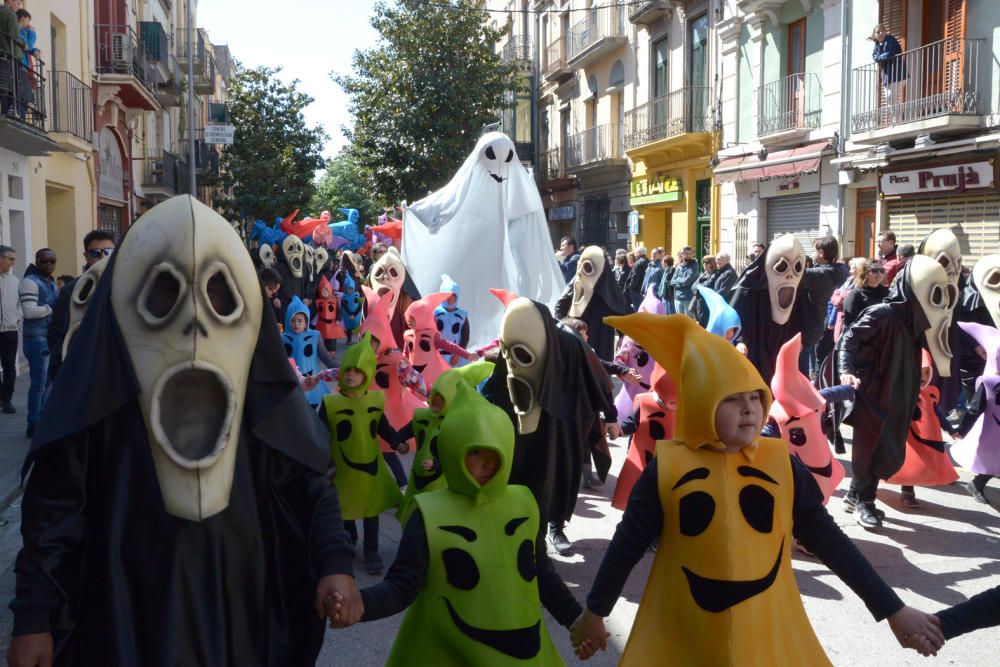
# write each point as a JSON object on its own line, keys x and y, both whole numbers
{"x": 975, "y": 219}
{"x": 794, "y": 214}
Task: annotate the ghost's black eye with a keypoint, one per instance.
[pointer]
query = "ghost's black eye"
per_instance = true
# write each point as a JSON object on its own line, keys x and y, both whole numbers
{"x": 455, "y": 328}
{"x": 425, "y": 345}
{"x": 393, "y": 272}
{"x": 308, "y": 350}
{"x": 996, "y": 395}
{"x": 343, "y": 430}
{"x": 952, "y": 296}
{"x": 656, "y": 431}
{"x": 522, "y": 355}
{"x": 781, "y": 265}
{"x": 797, "y": 436}
{"x": 992, "y": 279}
{"x": 460, "y": 569}
{"x": 642, "y": 358}
{"x": 526, "y": 560}
{"x": 83, "y": 293}
{"x": 220, "y": 295}
{"x": 162, "y": 296}
{"x": 758, "y": 508}
{"x": 587, "y": 267}
{"x": 440, "y": 325}
{"x": 510, "y": 156}
{"x": 490, "y": 154}
{"x": 382, "y": 379}
{"x": 937, "y": 296}
{"x": 696, "y": 510}
{"x": 798, "y": 267}
{"x": 944, "y": 260}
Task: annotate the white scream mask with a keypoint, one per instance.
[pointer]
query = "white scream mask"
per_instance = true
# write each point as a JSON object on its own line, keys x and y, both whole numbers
{"x": 266, "y": 254}
{"x": 294, "y": 251}
{"x": 388, "y": 275}
{"x": 525, "y": 349}
{"x": 310, "y": 260}
{"x": 942, "y": 246}
{"x": 189, "y": 308}
{"x": 986, "y": 274}
{"x": 322, "y": 257}
{"x": 929, "y": 283}
{"x": 588, "y": 270}
{"x": 83, "y": 292}
{"x": 497, "y": 157}
{"x": 784, "y": 265}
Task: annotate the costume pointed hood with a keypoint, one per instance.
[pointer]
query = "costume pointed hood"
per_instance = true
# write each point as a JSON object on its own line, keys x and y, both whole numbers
{"x": 721, "y": 316}
{"x": 362, "y": 357}
{"x": 295, "y": 307}
{"x": 505, "y": 296}
{"x": 449, "y": 285}
{"x": 453, "y": 383}
{"x": 791, "y": 388}
{"x": 377, "y": 323}
{"x": 473, "y": 423}
{"x": 989, "y": 338}
{"x": 705, "y": 367}
{"x": 651, "y": 303}
{"x": 420, "y": 314}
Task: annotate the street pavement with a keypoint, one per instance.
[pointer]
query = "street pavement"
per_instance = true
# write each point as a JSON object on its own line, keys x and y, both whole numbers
{"x": 934, "y": 556}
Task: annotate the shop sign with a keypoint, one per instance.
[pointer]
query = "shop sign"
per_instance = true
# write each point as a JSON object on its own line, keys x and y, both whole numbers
{"x": 789, "y": 185}
{"x": 111, "y": 174}
{"x": 562, "y": 212}
{"x": 955, "y": 178}
{"x": 654, "y": 190}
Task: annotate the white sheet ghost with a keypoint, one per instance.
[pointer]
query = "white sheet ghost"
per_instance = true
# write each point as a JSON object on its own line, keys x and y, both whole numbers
{"x": 485, "y": 228}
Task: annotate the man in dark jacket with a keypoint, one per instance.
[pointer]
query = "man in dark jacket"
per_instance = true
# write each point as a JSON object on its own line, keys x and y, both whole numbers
{"x": 570, "y": 257}
{"x": 637, "y": 278}
{"x": 683, "y": 279}
{"x": 893, "y": 68}
{"x": 725, "y": 276}
{"x": 815, "y": 291}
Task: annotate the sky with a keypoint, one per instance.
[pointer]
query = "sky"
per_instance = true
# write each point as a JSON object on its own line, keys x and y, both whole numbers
{"x": 308, "y": 38}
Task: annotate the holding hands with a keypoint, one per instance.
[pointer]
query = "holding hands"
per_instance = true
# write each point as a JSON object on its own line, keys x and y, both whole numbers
{"x": 588, "y": 635}
{"x": 917, "y": 630}
{"x": 338, "y": 599}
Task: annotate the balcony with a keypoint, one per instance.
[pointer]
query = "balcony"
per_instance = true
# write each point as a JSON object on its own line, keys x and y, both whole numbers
{"x": 223, "y": 61}
{"x": 936, "y": 90}
{"x": 554, "y": 66}
{"x": 23, "y": 101}
{"x": 682, "y": 113}
{"x": 600, "y": 147}
{"x": 602, "y": 32}
{"x": 787, "y": 109}
{"x": 124, "y": 62}
{"x": 204, "y": 81}
{"x": 170, "y": 92}
{"x": 518, "y": 50}
{"x": 72, "y": 112}
{"x": 197, "y": 54}
{"x": 651, "y": 12}
{"x": 159, "y": 175}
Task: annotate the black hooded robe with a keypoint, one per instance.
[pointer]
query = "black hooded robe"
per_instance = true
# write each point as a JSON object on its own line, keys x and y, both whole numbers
{"x": 117, "y": 580}
{"x": 607, "y": 300}
{"x": 882, "y": 348}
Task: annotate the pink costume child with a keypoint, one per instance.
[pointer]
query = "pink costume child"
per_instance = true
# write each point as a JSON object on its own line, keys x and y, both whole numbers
{"x": 632, "y": 355}
{"x": 422, "y": 341}
{"x": 979, "y": 450}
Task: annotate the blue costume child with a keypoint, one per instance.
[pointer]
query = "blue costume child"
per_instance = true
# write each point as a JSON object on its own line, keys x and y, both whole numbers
{"x": 452, "y": 321}
{"x": 306, "y": 348}
{"x": 351, "y": 306}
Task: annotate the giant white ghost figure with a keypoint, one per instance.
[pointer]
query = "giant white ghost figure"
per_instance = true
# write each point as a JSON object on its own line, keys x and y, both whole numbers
{"x": 485, "y": 228}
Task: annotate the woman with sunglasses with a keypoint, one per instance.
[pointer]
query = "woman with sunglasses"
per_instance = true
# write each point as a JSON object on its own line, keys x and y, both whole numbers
{"x": 868, "y": 291}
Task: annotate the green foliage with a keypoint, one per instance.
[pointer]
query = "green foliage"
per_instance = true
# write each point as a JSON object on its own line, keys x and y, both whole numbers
{"x": 341, "y": 186}
{"x": 269, "y": 169}
{"x": 421, "y": 96}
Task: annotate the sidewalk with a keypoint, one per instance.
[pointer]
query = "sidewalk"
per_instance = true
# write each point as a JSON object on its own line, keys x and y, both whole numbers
{"x": 13, "y": 444}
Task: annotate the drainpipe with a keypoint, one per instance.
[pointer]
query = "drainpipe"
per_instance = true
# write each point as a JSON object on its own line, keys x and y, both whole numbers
{"x": 845, "y": 110}
{"x": 190, "y": 101}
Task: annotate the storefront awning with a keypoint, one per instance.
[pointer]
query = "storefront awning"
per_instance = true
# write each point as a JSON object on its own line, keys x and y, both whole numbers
{"x": 801, "y": 160}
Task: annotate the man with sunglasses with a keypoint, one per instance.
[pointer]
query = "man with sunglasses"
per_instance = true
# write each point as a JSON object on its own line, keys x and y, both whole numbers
{"x": 38, "y": 296}
{"x": 10, "y": 322}
{"x": 97, "y": 245}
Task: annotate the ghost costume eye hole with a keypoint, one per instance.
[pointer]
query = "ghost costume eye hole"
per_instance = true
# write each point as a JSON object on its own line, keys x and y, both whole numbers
{"x": 378, "y": 274}
{"x": 522, "y": 356}
{"x": 220, "y": 290}
{"x": 758, "y": 508}
{"x": 161, "y": 294}
{"x": 797, "y": 436}
{"x": 937, "y": 296}
{"x": 781, "y": 266}
{"x": 460, "y": 569}
{"x": 82, "y": 294}
{"x": 587, "y": 268}
{"x": 393, "y": 272}
{"x": 944, "y": 261}
{"x": 952, "y": 296}
{"x": 992, "y": 279}
{"x": 510, "y": 156}
{"x": 490, "y": 154}
{"x": 696, "y": 512}
{"x": 797, "y": 269}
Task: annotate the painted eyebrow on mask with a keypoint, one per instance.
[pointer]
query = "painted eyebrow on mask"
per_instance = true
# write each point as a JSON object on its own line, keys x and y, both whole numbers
{"x": 374, "y": 409}
{"x": 467, "y": 534}
{"x": 690, "y": 476}
{"x": 344, "y": 412}
{"x": 792, "y": 419}
{"x": 747, "y": 471}
{"x": 513, "y": 524}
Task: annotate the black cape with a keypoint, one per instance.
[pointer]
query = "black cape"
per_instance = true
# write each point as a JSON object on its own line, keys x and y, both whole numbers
{"x": 606, "y": 300}
{"x": 759, "y": 333}
{"x": 882, "y": 348}
{"x": 574, "y": 390}
{"x": 116, "y": 579}
{"x": 290, "y": 285}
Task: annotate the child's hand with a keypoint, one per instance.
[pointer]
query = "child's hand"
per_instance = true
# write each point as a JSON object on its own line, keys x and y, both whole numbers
{"x": 427, "y": 464}
{"x": 310, "y": 382}
{"x": 612, "y": 430}
{"x": 742, "y": 348}
{"x": 403, "y": 447}
{"x": 917, "y": 630}
{"x": 588, "y": 635}
{"x": 632, "y": 377}
{"x": 276, "y": 302}
{"x": 338, "y": 598}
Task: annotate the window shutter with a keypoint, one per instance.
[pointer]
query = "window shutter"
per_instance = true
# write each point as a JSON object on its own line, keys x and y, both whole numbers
{"x": 892, "y": 16}
{"x": 954, "y": 51}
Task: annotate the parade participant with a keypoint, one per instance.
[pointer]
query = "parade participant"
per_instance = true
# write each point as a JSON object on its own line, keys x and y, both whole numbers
{"x": 722, "y": 318}
{"x": 426, "y": 474}
{"x": 634, "y": 359}
{"x": 423, "y": 343}
{"x": 354, "y": 416}
{"x": 764, "y": 298}
{"x": 270, "y": 280}
{"x": 309, "y": 280}
{"x": 452, "y": 321}
{"x": 324, "y": 264}
{"x": 328, "y": 316}
{"x": 352, "y": 306}
{"x": 290, "y": 265}
{"x": 550, "y": 379}
{"x": 82, "y": 292}
{"x": 390, "y": 279}
{"x": 978, "y": 449}
{"x": 943, "y": 246}
{"x": 592, "y": 295}
{"x": 725, "y": 502}
{"x": 986, "y": 274}
{"x": 198, "y": 455}
{"x": 305, "y": 346}
{"x": 879, "y": 355}
{"x": 978, "y": 612}
{"x": 466, "y": 565}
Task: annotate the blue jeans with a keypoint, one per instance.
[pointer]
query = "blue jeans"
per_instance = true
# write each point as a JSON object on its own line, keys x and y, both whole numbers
{"x": 36, "y": 350}
{"x": 681, "y": 306}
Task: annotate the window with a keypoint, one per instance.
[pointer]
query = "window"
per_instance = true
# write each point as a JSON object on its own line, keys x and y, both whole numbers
{"x": 796, "y": 47}
{"x": 660, "y": 69}
{"x": 698, "y": 66}
{"x": 217, "y": 112}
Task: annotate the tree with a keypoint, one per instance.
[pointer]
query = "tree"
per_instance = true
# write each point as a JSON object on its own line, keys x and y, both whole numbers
{"x": 422, "y": 94}
{"x": 269, "y": 169}
{"x": 342, "y": 186}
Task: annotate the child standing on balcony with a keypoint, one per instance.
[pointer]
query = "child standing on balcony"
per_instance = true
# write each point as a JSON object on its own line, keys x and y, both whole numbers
{"x": 28, "y": 36}
{"x": 26, "y": 78}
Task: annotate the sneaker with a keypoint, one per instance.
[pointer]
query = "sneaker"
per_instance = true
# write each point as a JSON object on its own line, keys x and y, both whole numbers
{"x": 868, "y": 516}
{"x": 851, "y": 503}
{"x": 559, "y": 541}
{"x": 8, "y": 408}
{"x": 976, "y": 493}
{"x": 838, "y": 443}
{"x": 909, "y": 499}
{"x": 591, "y": 481}
{"x": 373, "y": 563}
{"x": 30, "y": 431}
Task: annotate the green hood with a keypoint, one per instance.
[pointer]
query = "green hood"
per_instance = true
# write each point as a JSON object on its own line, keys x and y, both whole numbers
{"x": 360, "y": 356}
{"x": 454, "y": 381}
{"x": 474, "y": 423}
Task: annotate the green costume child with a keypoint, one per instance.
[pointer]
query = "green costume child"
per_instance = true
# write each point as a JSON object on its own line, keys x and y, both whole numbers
{"x": 466, "y": 561}
{"x": 426, "y": 474}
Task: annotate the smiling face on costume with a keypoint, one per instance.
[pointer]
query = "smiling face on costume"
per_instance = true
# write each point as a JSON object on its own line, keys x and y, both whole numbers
{"x": 784, "y": 265}
{"x": 986, "y": 274}
{"x": 497, "y": 156}
{"x": 387, "y": 277}
{"x": 294, "y": 251}
{"x": 589, "y": 270}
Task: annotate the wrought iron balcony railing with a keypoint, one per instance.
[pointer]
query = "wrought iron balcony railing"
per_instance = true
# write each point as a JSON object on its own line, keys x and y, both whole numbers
{"x": 22, "y": 88}
{"x": 682, "y": 111}
{"x": 119, "y": 51}
{"x": 794, "y": 102}
{"x": 550, "y": 165}
{"x": 604, "y": 22}
{"x": 597, "y": 144}
{"x": 518, "y": 48}
{"x": 72, "y": 106}
{"x": 160, "y": 171}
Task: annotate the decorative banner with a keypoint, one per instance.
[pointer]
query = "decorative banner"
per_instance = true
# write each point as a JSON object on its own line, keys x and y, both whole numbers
{"x": 955, "y": 178}
{"x": 789, "y": 185}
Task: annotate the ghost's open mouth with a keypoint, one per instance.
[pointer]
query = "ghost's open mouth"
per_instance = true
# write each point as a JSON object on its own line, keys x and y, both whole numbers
{"x": 717, "y": 595}
{"x": 192, "y": 410}
{"x": 420, "y": 368}
{"x": 786, "y": 296}
{"x": 498, "y": 179}
{"x": 519, "y": 643}
{"x": 579, "y": 293}
{"x": 383, "y": 290}
{"x": 521, "y": 395}
{"x": 942, "y": 337}
{"x": 296, "y": 264}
